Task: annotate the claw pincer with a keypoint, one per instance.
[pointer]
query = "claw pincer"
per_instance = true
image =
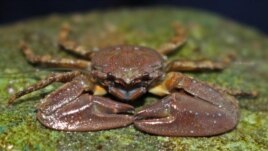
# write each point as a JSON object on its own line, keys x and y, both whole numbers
{"x": 88, "y": 113}
{"x": 190, "y": 112}
{"x": 76, "y": 111}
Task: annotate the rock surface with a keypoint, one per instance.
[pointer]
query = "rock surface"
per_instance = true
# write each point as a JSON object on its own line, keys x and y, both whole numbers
{"x": 210, "y": 37}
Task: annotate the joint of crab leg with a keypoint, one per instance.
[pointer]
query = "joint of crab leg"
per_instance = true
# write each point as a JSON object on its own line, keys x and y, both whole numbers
{"x": 161, "y": 109}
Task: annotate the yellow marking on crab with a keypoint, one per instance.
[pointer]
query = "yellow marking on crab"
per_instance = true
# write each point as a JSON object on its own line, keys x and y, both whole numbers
{"x": 98, "y": 90}
{"x": 159, "y": 90}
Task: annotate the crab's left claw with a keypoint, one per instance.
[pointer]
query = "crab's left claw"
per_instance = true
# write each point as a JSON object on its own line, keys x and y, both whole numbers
{"x": 87, "y": 113}
{"x": 181, "y": 114}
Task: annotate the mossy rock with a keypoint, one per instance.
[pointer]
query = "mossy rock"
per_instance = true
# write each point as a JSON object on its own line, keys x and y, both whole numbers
{"x": 210, "y": 37}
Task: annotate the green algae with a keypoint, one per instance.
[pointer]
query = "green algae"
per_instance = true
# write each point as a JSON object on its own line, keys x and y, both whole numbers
{"x": 210, "y": 37}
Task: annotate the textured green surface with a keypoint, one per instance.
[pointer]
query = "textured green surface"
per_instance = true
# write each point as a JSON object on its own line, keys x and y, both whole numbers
{"x": 209, "y": 37}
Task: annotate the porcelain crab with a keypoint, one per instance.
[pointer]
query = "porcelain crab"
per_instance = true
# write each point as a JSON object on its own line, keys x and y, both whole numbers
{"x": 187, "y": 107}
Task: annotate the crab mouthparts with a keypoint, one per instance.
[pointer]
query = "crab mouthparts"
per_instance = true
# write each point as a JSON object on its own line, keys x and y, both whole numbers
{"x": 127, "y": 95}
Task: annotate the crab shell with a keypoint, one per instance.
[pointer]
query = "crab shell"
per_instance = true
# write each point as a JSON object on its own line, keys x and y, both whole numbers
{"x": 127, "y": 71}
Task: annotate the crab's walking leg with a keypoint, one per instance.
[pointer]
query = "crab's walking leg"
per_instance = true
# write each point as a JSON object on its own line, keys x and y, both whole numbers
{"x": 69, "y": 109}
{"x": 57, "y": 77}
{"x": 175, "y": 42}
{"x": 49, "y": 61}
{"x": 207, "y": 65}
{"x": 201, "y": 65}
{"x": 235, "y": 92}
{"x": 70, "y": 45}
{"x": 192, "y": 109}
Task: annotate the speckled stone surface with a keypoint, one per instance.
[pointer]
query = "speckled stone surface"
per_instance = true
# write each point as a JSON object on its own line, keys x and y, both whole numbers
{"x": 210, "y": 37}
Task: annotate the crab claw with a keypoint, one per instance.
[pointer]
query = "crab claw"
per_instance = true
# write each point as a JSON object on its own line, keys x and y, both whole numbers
{"x": 181, "y": 114}
{"x": 88, "y": 113}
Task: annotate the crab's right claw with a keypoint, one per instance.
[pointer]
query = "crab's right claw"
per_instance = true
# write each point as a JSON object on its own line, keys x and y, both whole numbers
{"x": 87, "y": 113}
{"x": 181, "y": 114}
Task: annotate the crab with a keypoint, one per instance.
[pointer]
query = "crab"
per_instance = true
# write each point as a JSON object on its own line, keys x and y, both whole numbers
{"x": 186, "y": 106}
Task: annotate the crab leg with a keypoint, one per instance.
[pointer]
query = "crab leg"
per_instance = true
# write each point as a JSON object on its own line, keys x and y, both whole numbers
{"x": 236, "y": 93}
{"x": 175, "y": 42}
{"x": 47, "y": 60}
{"x": 195, "y": 109}
{"x": 201, "y": 65}
{"x": 71, "y": 46}
{"x": 58, "y": 77}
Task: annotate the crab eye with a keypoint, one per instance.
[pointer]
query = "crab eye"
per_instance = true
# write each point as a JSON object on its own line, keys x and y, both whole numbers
{"x": 95, "y": 67}
{"x": 136, "y": 81}
{"x": 110, "y": 76}
{"x": 146, "y": 76}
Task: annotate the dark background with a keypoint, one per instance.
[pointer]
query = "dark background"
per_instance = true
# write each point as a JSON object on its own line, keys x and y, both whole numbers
{"x": 251, "y": 12}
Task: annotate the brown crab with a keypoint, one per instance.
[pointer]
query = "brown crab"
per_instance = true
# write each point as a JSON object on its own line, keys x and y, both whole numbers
{"x": 188, "y": 107}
